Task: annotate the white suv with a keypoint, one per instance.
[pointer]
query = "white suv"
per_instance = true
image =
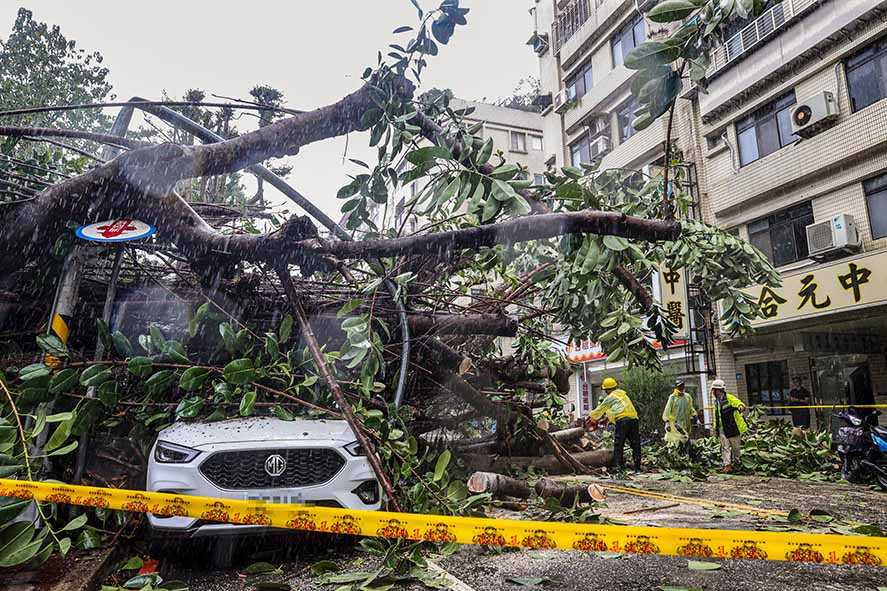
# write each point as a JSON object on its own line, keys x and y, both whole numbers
{"x": 302, "y": 461}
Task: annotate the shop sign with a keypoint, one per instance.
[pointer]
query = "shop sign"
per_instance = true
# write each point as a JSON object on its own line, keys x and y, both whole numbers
{"x": 121, "y": 230}
{"x": 673, "y": 290}
{"x": 838, "y": 286}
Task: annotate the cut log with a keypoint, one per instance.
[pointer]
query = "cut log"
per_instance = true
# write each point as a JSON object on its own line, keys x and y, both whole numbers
{"x": 498, "y": 485}
{"x": 550, "y": 464}
{"x": 566, "y": 493}
{"x": 569, "y": 435}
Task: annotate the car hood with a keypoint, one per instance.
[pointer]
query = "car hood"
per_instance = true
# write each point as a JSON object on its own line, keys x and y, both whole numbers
{"x": 256, "y": 429}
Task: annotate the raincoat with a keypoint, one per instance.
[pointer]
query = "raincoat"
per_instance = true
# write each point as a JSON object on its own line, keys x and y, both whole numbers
{"x": 737, "y": 406}
{"x": 616, "y": 405}
{"x": 678, "y": 415}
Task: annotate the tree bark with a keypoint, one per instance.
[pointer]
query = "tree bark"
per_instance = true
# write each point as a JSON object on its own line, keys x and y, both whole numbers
{"x": 567, "y": 494}
{"x": 550, "y": 464}
{"x": 498, "y": 485}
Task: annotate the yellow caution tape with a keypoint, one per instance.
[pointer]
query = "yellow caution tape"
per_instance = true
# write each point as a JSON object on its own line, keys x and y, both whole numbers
{"x": 831, "y": 406}
{"x": 689, "y": 543}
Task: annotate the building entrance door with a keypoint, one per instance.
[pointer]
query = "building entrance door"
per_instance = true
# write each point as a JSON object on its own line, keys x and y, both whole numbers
{"x": 840, "y": 379}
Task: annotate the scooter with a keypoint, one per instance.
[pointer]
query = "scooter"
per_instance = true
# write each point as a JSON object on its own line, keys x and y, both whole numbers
{"x": 862, "y": 446}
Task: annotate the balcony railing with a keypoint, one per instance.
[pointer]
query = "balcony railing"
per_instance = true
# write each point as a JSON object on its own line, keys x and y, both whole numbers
{"x": 757, "y": 32}
{"x": 568, "y": 21}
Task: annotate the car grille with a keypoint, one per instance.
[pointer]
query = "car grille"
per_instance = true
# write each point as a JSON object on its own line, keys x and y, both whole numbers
{"x": 241, "y": 470}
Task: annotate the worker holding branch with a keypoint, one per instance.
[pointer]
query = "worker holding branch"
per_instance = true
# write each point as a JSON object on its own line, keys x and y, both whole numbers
{"x": 678, "y": 417}
{"x": 619, "y": 410}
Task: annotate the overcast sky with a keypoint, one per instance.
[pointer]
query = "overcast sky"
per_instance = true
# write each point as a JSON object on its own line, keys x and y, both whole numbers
{"x": 313, "y": 51}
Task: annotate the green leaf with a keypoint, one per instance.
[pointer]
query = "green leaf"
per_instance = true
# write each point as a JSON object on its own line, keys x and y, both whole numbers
{"x": 89, "y": 539}
{"x": 671, "y": 10}
{"x": 75, "y": 523}
{"x": 701, "y": 565}
{"x": 239, "y": 371}
{"x": 505, "y": 172}
{"x": 157, "y": 338}
{"x": 63, "y": 381}
{"x": 59, "y": 436}
{"x": 260, "y": 568}
{"x": 160, "y": 382}
{"x": 34, "y": 371}
{"x": 52, "y": 345}
{"x": 485, "y": 152}
{"x": 121, "y": 344}
{"x": 651, "y": 54}
{"x": 189, "y": 408}
{"x": 134, "y": 562}
{"x": 64, "y": 450}
{"x": 282, "y": 413}
{"x": 616, "y": 243}
{"x": 247, "y": 403}
{"x": 140, "y": 581}
{"x": 502, "y": 191}
{"x": 140, "y": 366}
{"x": 443, "y": 460}
{"x": 95, "y": 375}
{"x": 324, "y": 566}
{"x": 175, "y": 351}
{"x": 10, "y": 507}
{"x": 795, "y": 516}
{"x": 229, "y": 338}
{"x": 286, "y": 329}
{"x": 193, "y": 378}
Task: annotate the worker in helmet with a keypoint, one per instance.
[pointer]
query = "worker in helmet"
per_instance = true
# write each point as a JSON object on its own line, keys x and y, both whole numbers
{"x": 678, "y": 417}
{"x": 729, "y": 424}
{"x": 619, "y": 410}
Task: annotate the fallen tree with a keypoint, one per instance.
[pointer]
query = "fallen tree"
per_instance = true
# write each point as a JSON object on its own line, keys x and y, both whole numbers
{"x": 574, "y": 252}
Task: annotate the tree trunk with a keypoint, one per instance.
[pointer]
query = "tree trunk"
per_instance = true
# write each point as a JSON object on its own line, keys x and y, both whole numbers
{"x": 550, "y": 464}
{"x": 498, "y": 485}
{"x": 569, "y": 435}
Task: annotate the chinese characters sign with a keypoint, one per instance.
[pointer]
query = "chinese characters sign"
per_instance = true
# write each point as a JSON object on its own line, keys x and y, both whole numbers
{"x": 837, "y": 286}
{"x": 673, "y": 287}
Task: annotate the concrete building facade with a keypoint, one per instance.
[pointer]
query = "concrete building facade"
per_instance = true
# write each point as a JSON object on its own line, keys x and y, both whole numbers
{"x": 756, "y": 177}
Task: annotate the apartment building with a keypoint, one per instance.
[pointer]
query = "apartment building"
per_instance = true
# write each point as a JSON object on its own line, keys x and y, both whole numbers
{"x": 581, "y": 46}
{"x": 789, "y": 150}
{"x": 792, "y": 154}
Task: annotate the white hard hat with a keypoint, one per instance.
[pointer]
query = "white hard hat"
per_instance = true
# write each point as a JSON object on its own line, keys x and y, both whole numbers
{"x": 718, "y": 385}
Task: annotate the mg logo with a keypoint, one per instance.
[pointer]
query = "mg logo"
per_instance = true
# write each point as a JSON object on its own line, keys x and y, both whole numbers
{"x": 275, "y": 465}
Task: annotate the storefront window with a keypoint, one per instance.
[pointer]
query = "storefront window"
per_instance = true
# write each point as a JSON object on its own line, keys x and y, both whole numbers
{"x": 768, "y": 384}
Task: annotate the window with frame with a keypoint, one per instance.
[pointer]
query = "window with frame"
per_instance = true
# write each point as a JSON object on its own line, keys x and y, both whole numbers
{"x": 539, "y": 180}
{"x": 876, "y": 201}
{"x": 866, "y": 73}
{"x": 630, "y": 36}
{"x": 766, "y": 130}
{"x": 782, "y": 236}
{"x": 626, "y": 116}
{"x": 580, "y": 152}
{"x": 518, "y": 141}
{"x": 536, "y": 142}
{"x": 580, "y": 82}
{"x": 768, "y": 384}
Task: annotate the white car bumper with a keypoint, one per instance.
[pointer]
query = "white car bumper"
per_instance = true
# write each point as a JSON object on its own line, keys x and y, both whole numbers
{"x": 235, "y": 477}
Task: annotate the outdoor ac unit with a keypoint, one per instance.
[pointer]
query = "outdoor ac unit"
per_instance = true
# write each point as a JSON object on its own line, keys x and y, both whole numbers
{"x": 810, "y": 116}
{"x": 561, "y": 100}
{"x": 599, "y": 147}
{"x": 834, "y": 236}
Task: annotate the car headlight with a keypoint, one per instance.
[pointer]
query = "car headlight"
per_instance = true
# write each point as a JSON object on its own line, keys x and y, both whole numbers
{"x": 355, "y": 449}
{"x": 170, "y": 453}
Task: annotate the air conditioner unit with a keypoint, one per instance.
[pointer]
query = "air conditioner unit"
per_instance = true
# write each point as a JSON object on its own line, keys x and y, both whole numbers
{"x": 812, "y": 115}
{"x": 561, "y": 101}
{"x": 833, "y": 237}
{"x": 599, "y": 147}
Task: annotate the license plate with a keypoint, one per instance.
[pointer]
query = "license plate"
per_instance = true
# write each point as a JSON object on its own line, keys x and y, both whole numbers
{"x": 278, "y": 499}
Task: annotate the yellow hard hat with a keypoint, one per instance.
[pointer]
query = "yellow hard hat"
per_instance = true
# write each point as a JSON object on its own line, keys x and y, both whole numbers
{"x": 609, "y": 384}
